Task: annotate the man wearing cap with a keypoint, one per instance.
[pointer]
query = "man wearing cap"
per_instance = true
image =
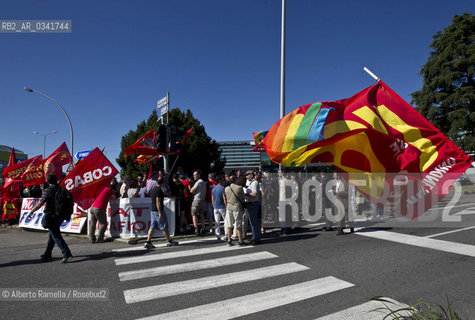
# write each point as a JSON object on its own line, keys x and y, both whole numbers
{"x": 252, "y": 191}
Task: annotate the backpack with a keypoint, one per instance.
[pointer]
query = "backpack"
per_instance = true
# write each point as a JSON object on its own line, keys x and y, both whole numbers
{"x": 63, "y": 201}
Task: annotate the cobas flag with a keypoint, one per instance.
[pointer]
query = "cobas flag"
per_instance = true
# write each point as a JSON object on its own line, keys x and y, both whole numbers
{"x": 394, "y": 155}
{"x": 89, "y": 178}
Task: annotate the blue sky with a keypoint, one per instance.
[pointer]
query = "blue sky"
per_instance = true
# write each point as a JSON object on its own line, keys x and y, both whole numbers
{"x": 218, "y": 58}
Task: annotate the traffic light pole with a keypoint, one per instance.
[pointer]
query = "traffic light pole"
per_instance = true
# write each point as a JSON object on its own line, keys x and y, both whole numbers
{"x": 162, "y": 146}
{"x": 165, "y": 156}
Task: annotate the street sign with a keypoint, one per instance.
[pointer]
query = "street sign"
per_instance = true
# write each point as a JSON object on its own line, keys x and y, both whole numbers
{"x": 163, "y": 111}
{"x": 162, "y": 102}
{"x": 82, "y": 154}
{"x": 70, "y": 167}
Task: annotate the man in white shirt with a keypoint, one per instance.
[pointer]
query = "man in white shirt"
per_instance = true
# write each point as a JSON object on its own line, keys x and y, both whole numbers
{"x": 341, "y": 193}
{"x": 252, "y": 192}
{"x": 198, "y": 205}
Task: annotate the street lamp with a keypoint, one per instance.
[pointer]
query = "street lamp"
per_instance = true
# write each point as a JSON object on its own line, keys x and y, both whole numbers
{"x": 67, "y": 117}
{"x": 44, "y": 139}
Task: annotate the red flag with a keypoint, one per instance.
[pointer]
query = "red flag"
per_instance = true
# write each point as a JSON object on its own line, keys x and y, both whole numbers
{"x": 187, "y": 135}
{"x": 61, "y": 156}
{"x": 55, "y": 162}
{"x": 89, "y": 178}
{"x": 12, "y": 159}
{"x": 14, "y": 172}
{"x": 11, "y": 190}
{"x": 145, "y": 145}
{"x": 376, "y": 135}
{"x": 34, "y": 173}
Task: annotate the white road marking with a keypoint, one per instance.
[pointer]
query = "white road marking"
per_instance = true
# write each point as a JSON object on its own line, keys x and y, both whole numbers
{"x": 192, "y": 266}
{"x": 163, "y": 245}
{"x": 241, "y": 306}
{"x": 176, "y": 254}
{"x": 465, "y": 212}
{"x": 449, "y": 232}
{"x": 424, "y": 242}
{"x": 367, "y": 311}
{"x": 203, "y": 283}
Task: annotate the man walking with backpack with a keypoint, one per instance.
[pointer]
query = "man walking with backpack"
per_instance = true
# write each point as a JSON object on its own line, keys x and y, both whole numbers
{"x": 52, "y": 220}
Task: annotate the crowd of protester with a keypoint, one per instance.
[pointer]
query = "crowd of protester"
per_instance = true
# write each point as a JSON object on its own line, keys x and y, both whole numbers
{"x": 203, "y": 206}
{"x": 229, "y": 205}
{"x": 225, "y": 205}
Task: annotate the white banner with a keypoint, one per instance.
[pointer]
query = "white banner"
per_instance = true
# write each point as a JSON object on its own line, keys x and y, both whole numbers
{"x": 75, "y": 225}
{"x": 130, "y": 218}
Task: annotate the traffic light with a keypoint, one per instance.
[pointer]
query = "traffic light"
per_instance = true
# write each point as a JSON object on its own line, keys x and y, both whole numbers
{"x": 162, "y": 138}
{"x": 176, "y": 139}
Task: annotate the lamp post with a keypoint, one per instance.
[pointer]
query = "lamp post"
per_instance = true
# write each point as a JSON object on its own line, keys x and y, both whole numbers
{"x": 67, "y": 117}
{"x": 44, "y": 139}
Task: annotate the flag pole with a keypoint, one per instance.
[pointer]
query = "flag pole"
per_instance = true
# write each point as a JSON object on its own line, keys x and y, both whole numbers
{"x": 282, "y": 64}
{"x": 371, "y": 74}
{"x": 282, "y": 67}
{"x": 174, "y": 163}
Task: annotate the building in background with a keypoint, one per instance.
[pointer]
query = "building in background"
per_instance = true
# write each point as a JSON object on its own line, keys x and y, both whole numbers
{"x": 5, "y": 156}
{"x": 239, "y": 155}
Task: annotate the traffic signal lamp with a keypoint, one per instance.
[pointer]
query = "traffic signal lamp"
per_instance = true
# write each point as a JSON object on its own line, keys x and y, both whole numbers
{"x": 162, "y": 138}
{"x": 176, "y": 139}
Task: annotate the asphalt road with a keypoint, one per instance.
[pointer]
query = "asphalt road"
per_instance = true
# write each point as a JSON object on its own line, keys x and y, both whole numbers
{"x": 306, "y": 275}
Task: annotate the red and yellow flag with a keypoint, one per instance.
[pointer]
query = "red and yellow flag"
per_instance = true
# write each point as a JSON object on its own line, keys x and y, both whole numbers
{"x": 15, "y": 171}
{"x": 370, "y": 135}
{"x": 55, "y": 162}
{"x": 34, "y": 173}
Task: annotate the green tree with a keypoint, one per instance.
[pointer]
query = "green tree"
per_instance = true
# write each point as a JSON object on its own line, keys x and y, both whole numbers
{"x": 447, "y": 96}
{"x": 201, "y": 152}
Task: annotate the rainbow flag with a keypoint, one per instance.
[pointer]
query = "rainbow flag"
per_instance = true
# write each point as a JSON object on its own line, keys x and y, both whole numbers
{"x": 372, "y": 134}
{"x": 259, "y": 141}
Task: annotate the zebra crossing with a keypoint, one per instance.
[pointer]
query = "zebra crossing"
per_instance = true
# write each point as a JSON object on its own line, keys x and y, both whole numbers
{"x": 467, "y": 211}
{"x": 226, "y": 308}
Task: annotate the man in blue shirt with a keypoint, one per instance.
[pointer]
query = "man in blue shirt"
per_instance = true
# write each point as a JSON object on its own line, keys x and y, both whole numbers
{"x": 219, "y": 204}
